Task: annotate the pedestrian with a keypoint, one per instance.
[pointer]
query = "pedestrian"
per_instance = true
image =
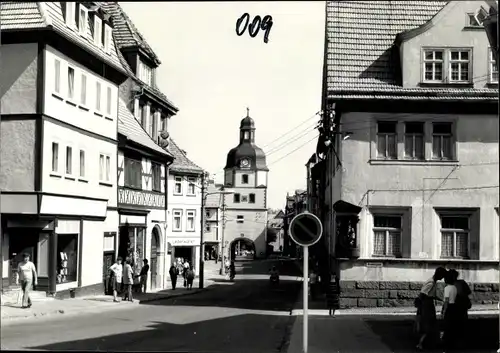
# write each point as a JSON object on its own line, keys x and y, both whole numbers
{"x": 313, "y": 279}
{"x": 449, "y": 311}
{"x": 332, "y": 295}
{"x": 174, "y": 272}
{"x": 143, "y": 275}
{"x": 184, "y": 272}
{"x": 190, "y": 278}
{"x": 426, "y": 310}
{"x": 463, "y": 303}
{"x": 128, "y": 280}
{"x": 116, "y": 277}
{"x": 26, "y": 272}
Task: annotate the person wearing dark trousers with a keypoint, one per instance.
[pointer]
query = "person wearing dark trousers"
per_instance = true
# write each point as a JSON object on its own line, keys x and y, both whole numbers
{"x": 143, "y": 277}
{"x": 190, "y": 278}
{"x": 332, "y": 295}
{"x": 174, "y": 272}
{"x": 128, "y": 280}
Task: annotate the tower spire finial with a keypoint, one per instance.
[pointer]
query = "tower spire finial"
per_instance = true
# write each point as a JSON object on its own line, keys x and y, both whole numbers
{"x": 248, "y": 112}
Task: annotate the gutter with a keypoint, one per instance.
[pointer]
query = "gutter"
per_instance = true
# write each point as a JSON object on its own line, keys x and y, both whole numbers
{"x": 167, "y": 173}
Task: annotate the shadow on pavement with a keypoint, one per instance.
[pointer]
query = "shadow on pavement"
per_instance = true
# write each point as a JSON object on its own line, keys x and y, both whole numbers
{"x": 241, "y": 333}
{"x": 398, "y": 335}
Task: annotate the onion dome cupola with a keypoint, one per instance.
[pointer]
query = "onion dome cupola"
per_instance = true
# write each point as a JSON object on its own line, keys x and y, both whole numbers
{"x": 247, "y": 155}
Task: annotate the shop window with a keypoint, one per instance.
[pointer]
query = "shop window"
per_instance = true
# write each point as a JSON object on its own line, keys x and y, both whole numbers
{"x": 67, "y": 253}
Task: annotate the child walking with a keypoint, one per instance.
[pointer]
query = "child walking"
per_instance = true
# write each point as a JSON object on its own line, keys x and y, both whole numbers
{"x": 332, "y": 295}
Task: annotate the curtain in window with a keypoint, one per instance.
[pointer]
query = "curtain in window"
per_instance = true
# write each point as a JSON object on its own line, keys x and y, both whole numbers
{"x": 447, "y": 244}
{"x": 462, "y": 244}
{"x": 394, "y": 243}
{"x": 379, "y": 242}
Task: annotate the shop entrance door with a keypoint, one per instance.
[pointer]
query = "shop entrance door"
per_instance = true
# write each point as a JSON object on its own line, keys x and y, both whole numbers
{"x": 154, "y": 258}
{"x": 21, "y": 240}
{"x": 108, "y": 259}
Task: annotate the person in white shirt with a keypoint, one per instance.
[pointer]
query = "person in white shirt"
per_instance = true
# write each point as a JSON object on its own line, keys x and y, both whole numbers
{"x": 26, "y": 272}
{"x": 449, "y": 311}
{"x": 116, "y": 277}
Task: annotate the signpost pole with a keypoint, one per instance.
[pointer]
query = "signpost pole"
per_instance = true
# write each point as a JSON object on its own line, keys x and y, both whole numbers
{"x": 306, "y": 297}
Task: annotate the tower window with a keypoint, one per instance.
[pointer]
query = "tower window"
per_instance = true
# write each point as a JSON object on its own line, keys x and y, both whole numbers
{"x": 236, "y": 198}
{"x": 246, "y": 135}
{"x": 251, "y": 198}
{"x": 244, "y": 179}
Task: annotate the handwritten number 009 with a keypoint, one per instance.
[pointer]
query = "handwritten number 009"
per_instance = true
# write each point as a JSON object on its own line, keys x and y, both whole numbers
{"x": 257, "y": 24}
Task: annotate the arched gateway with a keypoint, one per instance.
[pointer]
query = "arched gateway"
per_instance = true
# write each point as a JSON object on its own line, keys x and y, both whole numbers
{"x": 242, "y": 248}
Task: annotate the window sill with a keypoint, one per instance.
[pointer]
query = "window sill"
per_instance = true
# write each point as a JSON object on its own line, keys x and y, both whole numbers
{"x": 83, "y": 180}
{"x": 105, "y": 183}
{"x": 454, "y": 258}
{"x": 58, "y": 96}
{"x": 83, "y": 107}
{"x": 98, "y": 114}
{"x": 492, "y": 85}
{"x": 190, "y": 231}
{"x": 131, "y": 187}
{"x": 474, "y": 28}
{"x": 176, "y": 230}
{"x": 55, "y": 175}
{"x": 192, "y": 195}
{"x": 69, "y": 177}
{"x": 158, "y": 191}
{"x": 175, "y": 194}
{"x": 412, "y": 162}
{"x": 108, "y": 118}
{"x": 444, "y": 84}
{"x": 70, "y": 102}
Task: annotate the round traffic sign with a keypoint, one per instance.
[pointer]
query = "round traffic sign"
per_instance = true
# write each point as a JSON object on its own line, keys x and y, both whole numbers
{"x": 305, "y": 229}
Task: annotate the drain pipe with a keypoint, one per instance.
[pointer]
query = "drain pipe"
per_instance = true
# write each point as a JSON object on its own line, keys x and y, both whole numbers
{"x": 165, "y": 245}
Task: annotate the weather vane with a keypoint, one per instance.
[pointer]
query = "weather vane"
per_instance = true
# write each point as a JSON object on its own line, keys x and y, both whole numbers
{"x": 248, "y": 111}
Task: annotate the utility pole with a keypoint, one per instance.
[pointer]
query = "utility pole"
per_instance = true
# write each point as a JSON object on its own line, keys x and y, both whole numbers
{"x": 222, "y": 262}
{"x": 1, "y": 229}
{"x": 201, "y": 269}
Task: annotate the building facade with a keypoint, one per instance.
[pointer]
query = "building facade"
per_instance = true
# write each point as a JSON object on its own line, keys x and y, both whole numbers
{"x": 213, "y": 221}
{"x": 245, "y": 175}
{"x": 184, "y": 200}
{"x": 409, "y": 148}
{"x": 60, "y": 79}
{"x": 142, "y": 157}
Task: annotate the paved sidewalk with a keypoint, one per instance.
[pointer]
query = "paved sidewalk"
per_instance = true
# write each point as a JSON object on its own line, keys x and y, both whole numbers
{"x": 93, "y": 303}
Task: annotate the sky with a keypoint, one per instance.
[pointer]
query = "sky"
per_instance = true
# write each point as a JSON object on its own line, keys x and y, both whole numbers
{"x": 212, "y": 75}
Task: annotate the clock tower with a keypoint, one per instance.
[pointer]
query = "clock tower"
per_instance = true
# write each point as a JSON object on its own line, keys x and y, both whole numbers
{"x": 245, "y": 174}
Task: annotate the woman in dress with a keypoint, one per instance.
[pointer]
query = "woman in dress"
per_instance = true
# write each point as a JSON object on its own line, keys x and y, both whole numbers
{"x": 426, "y": 310}
{"x": 128, "y": 280}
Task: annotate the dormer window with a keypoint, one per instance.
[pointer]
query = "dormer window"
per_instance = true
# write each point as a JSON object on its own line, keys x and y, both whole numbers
{"x": 107, "y": 39}
{"x": 145, "y": 73}
{"x": 450, "y": 65}
{"x": 70, "y": 13}
{"x": 97, "y": 31}
{"x": 83, "y": 20}
{"x": 493, "y": 68}
{"x": 471, "y": 21}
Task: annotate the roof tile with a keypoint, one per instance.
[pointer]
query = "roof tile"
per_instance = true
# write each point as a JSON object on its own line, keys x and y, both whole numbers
{"x": 182, "y": 163}
{"x": 129, "y": 127}
{"x": 360, "y": 35}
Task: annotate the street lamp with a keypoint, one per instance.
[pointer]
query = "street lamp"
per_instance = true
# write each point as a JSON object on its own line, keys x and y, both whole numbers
{"x": 202, "y": 231}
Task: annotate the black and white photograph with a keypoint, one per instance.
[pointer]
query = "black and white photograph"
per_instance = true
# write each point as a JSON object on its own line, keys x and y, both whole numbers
{"x": 250, "y": 176}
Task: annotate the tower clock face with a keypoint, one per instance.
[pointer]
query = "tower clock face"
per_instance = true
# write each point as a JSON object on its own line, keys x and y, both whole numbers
{"x": 245, "y": 162}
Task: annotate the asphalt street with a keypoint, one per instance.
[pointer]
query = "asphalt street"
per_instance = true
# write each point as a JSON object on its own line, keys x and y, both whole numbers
{"x": 247, "y": 315}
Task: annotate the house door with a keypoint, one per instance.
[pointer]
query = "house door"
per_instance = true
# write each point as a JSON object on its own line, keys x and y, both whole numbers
{"x": 154, "y": 257}
{"x": 107, "y": 262}
{"x": 21, "y": 240}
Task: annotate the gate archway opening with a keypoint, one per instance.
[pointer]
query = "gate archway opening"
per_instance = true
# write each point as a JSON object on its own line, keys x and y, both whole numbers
{"x": 155, "y": 250}
{"x": 242, "y": 249}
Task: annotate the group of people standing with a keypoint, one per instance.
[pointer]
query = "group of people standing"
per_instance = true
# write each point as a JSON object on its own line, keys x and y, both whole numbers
{"x": 122, "y": 278}
{"x": 456, "y": 303}
{"x": 182, "y": 267}
{"x": 332, "y": 290}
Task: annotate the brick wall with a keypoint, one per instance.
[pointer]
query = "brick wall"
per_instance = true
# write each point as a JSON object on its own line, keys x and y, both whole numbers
{"x": 391, "y": 294}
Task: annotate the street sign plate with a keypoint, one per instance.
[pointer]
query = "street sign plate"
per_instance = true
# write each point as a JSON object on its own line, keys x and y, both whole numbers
{"x": 305, "y": 229}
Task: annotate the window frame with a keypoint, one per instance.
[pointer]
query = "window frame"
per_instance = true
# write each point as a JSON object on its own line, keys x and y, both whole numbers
{"x": 236, "y": 198}
{"x": 98, "y": 97}
{"x": 57, "y": 76}
{"x": 387, "y": 231}
{"x": 71, "y": 97}
{"x": 105, "y": 172}
{"x": 83, "y": 31}
{"x": 191, "y": 182}
{"x": 451, "y": 135}
{"x": 156, "y": 181}
{"x": 240, "y": 219}
{"x": 108, "y": 39}
{"x": 244, "y": 179}
{"x": 459, "y": 62}
{"x": 208, "y": 227}
{"x": 68, "y": 163}
{"x": 177, "y": 213}
{"x": 454, "y": 231}
{"x": 109, "y": 98}
{"x": 386, "y": 135}
{"x": 491, "y": 64}
{"x": 132, "y": 170}
{"x": 190, "y": 214}
{"x": 98, "y": 33}
{"x": 446, "y": 65}
{"x": 178, "y": 181}
{"x": 251, "y": 198}
{"x": 413, "y": 137}
{"x": 55, "y": 161}
{"x": 70, "y": 14}
{"x": 83, "y": 89}
{"x": 80, "y": 175}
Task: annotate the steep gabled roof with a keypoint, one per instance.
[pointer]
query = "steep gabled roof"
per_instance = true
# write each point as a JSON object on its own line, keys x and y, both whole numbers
{"x": 182, "y": 164}
{"x": 213, "y": 200}
{"x": 126, "y": 34}
{"x": 361, "y": 62}
{"x": 129, "y": 127}
{"x": 17, "y": 16}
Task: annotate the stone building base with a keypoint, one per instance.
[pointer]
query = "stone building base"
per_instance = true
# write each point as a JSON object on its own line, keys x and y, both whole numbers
{"x": 392, "y": 294}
